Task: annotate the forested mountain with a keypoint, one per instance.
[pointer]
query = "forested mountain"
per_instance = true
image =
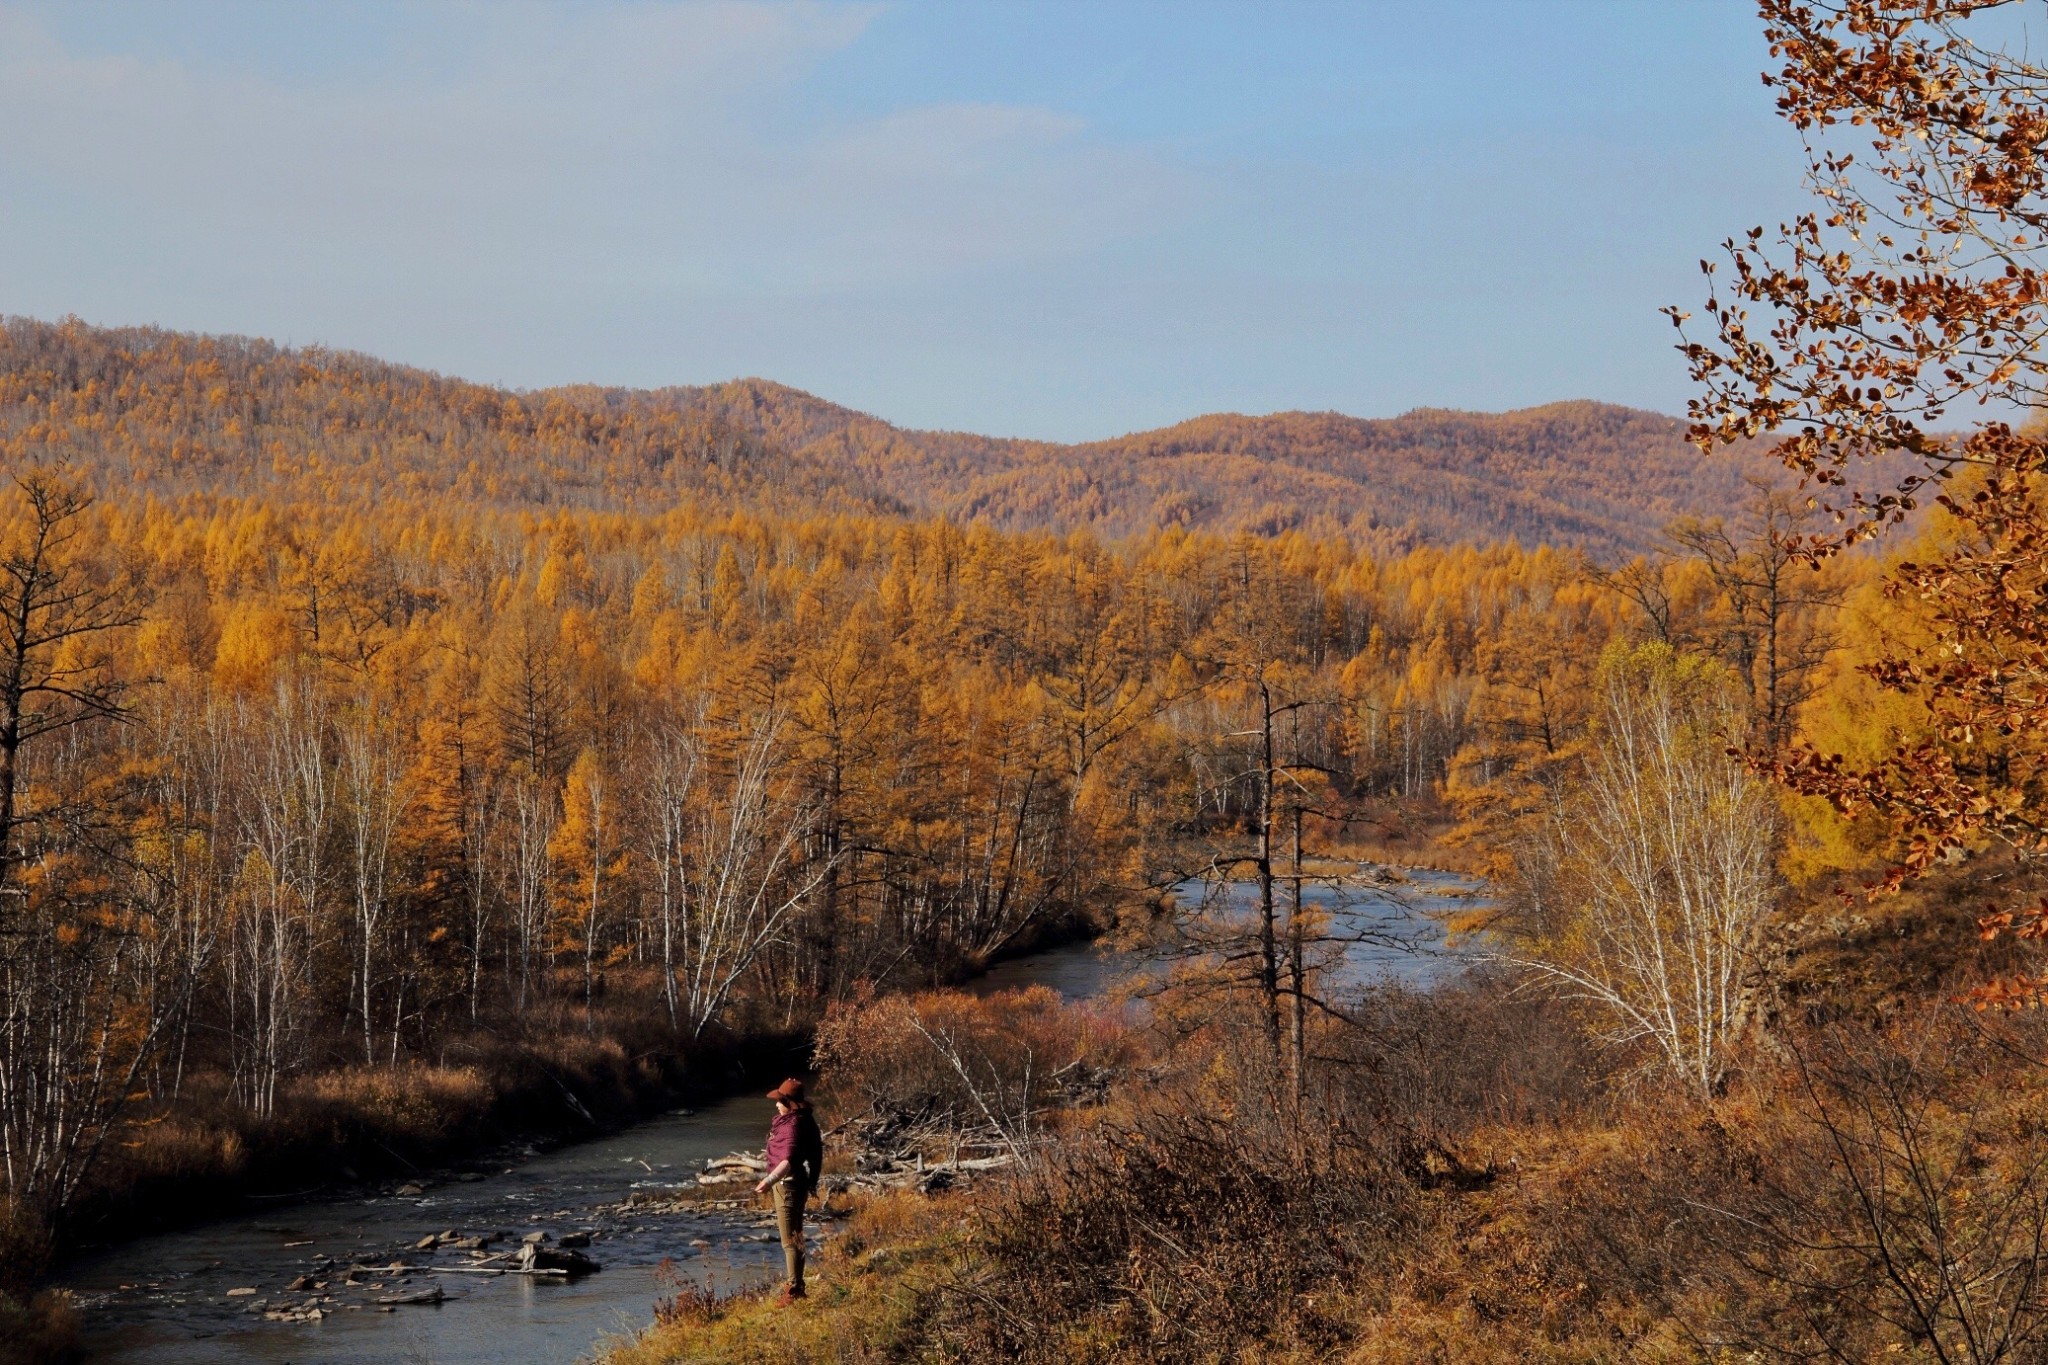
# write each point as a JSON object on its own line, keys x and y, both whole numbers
{"x": 1590, "y": 474}
{"x": 175, "y": 413}
{"x": 171, "y": 414}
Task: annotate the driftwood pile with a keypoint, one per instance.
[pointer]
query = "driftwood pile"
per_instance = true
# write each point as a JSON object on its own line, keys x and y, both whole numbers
{"x": 928, "y": 1153}
{"x": 889, "y": 1152}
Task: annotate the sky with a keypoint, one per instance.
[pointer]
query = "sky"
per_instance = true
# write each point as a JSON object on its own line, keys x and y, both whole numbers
{"x": 1063, "y": 219}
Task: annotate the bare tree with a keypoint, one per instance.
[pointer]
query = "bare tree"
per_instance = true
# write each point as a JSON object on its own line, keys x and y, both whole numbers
{"x": 74, "y": 1037}
{"x": 1644, "y": 887}
{"x": 534, "y": 812}
{"x": 675, "y": 751}
{"x": 749, "y": 875}
{"x": 483, "y": 798}
{"x": 56, "y": 602}
{"x": 1776, "y": 600}
{"x": 375, "y": 800}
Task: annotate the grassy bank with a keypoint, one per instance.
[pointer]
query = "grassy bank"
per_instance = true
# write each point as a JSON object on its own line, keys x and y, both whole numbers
{"x": 1483, "y": 1276}
{"x": 872, "y": 1288}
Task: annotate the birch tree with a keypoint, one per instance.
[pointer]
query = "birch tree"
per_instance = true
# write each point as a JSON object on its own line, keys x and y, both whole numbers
{"x": 73, "y": 1037}
{"x": 285, "y": 818}
{"x": 532, "y": 833}
{"x": 1645, "y": 885}
{"x": 375, "y": 801}
{"x": 750, "y": 877}
{"x": 674, "y": 753}
{"x": 585, "y": 851}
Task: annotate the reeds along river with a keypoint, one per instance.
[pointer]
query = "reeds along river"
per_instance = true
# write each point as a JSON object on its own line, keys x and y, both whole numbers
{"x": 168, "y": 1300}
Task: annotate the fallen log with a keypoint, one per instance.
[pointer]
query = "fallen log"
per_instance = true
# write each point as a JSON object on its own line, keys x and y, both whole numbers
{"x": 735, "y": 1159}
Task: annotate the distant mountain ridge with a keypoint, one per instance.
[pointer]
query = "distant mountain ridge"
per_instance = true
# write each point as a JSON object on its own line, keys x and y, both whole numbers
{"x": 1595, "y": 475}
{"x": 179, "y": 413}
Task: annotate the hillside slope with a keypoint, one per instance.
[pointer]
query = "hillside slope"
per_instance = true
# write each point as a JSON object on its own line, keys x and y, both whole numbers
{"x": 1581, "y": 473}
{"x": 170, "y": 413}
{"x": 175, "y": 413}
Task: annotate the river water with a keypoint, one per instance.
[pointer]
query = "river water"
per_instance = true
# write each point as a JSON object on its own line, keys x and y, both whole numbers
{"x": 166, "y": 1300}
{"x": 1371, "y": 934}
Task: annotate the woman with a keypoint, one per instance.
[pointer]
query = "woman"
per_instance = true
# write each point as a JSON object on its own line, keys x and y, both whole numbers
{"x": 796, "y": 1155}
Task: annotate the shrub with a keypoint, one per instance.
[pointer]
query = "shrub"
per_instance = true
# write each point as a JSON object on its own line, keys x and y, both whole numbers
{"x": 999, "y": 1059}
{"x": 1182, "y": 1236}
{"x": 1884, "y": 1194}
{"x": 39, "y": 1330}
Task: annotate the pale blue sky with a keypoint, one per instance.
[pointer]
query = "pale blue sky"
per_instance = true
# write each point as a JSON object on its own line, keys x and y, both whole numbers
{"x": 1068, "y": 218}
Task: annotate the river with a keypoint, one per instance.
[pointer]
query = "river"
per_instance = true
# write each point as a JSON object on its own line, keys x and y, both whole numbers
{"x": 166, "y": 1299}
{"x": 1393, "y": 933}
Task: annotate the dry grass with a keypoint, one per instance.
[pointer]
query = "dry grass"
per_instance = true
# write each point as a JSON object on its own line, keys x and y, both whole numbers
{"x": 1440, "y": 1219}
{"x": 872, "y": 1292}
{"x": 41, "y": 1329}
{"x": 1482, "y": 1276}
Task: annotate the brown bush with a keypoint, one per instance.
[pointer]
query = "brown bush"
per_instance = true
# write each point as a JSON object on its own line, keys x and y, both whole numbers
{"x": 41, "y": 1329}
{"x": 1434, "y": 1065}
{"x": 1181, "y": 1236}
{"x": 999, "y": 1059}
{"x": 1883, "y": 1194}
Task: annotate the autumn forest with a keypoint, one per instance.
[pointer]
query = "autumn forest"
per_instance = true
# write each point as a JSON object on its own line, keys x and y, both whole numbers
{"x": 581, "y": 733}
{"x": 347, "y": 776}
{"x": 394, "y": 768}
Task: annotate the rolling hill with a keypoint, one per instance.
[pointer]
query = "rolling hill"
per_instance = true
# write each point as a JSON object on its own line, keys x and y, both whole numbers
{"x": 1595, "y": 475}
{"x": 179, "y": 413}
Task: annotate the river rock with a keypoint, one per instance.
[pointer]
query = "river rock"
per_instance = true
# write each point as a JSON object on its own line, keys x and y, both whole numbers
{"x": 310, "y": 1313}
{"x": 575, "y": 1239}
{"x": 410, "y": 1191}
{"x": 301, "y": 1284}
{"x": 534, "y": 1239}
{"x": 572, "y": 1263}
{"x": 432, "y": 1294}
{"x": 244, "y": 1293}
